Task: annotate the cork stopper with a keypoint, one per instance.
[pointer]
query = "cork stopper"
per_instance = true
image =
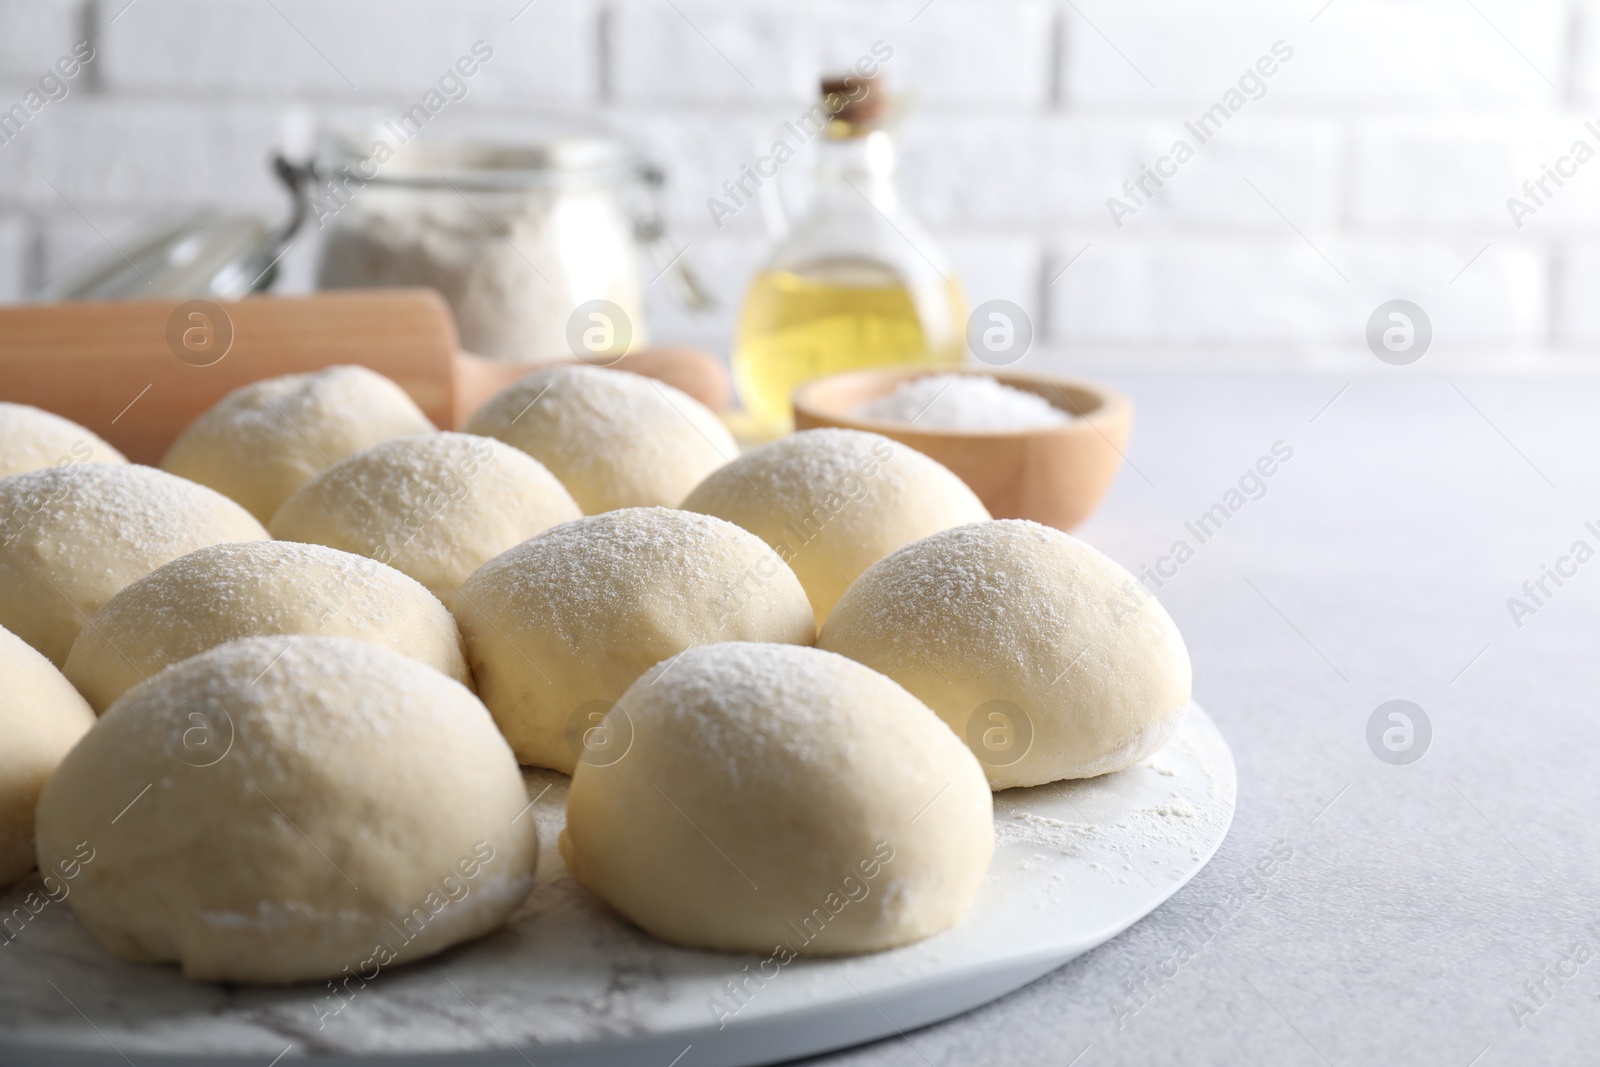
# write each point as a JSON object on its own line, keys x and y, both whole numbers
{"x": 858, "y": 102}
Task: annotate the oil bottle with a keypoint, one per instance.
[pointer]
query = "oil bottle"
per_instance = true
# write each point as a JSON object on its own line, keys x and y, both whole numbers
{"x": 856, "y": 283}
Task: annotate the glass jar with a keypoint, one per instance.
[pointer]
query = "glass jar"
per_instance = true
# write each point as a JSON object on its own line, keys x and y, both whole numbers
{"x": 525, "y": 238}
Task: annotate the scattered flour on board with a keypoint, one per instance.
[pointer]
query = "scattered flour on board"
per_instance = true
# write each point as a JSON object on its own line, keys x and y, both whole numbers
{"x": 1144, "y": 835}
{"x": 1026, "y": 828}
{"x": 1174, "y": 823}
{"x": 1177, "y": 806}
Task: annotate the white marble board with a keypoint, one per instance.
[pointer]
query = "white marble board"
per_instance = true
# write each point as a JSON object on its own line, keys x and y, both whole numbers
{"x": 568, "y": 983}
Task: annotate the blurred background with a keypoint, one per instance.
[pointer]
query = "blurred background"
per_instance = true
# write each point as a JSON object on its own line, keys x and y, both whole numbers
{"x": 1374, "y": 163}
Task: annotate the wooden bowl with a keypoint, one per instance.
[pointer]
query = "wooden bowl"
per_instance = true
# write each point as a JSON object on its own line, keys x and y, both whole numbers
{"x": 1055, "y": 475}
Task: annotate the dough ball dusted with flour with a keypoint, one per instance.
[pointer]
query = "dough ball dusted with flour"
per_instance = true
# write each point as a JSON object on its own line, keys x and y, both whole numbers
{"x": 41, "y": 718}
{"x": 1050, "y": 659}
{"x": 288, "y": 807}
{"x": 72, "y": 537}
{"x": 834, "y": 502}
{"x": 558, "y": 627}
{"x": 775, "y": 798}
{"x": 616, "y": 440}
{"x": 31, "y": 439}
{"x": 263, "y": 441}
{"x": 217, "y": 594}
{"x": 436, "y": 506}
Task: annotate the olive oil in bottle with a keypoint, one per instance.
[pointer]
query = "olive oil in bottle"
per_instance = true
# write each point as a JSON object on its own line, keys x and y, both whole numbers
{"x": 835, "y": 317}
{"x": 856, "y": 284}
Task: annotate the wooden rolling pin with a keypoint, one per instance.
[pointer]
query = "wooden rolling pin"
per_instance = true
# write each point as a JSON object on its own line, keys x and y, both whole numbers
{"x": 116, "y": 368}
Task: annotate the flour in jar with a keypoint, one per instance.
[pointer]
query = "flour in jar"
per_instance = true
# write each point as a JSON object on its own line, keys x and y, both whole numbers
{"x": 514, "y": 265}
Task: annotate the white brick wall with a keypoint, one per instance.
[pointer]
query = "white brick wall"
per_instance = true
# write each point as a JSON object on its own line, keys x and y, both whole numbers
{"x": 1213, "y": 291}
{"x": 352, "y": 51}
{"x": 33, "y": 34}
{"x": 1368, "y": 55}
{"x": 965, "y": 53}
{"x": 106, "y": 151}
{"x": 16, "y": 244}
{"x": 1388, "y": 143}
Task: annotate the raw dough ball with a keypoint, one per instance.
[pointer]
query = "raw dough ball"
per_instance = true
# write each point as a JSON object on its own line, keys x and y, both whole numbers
{"x": 41, "y": 718}
{"x": 834, "y": 502}
{"x": 287, "y": 807}
{"x": 774, "y": 797}
{"x": 1051, "y": 660}
{"x": 616, "y": 440}
{"x": 436, "y": 506}
{"x": 216, "y": 594}
{"x": 561, "y": 625}
{"x": 31, "y": 438}
{"x": 71, "y": 537}
{"x": 263, "y": 441}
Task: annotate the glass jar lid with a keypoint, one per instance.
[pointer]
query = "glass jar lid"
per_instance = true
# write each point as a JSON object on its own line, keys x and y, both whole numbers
{"x": 474, "y": 153}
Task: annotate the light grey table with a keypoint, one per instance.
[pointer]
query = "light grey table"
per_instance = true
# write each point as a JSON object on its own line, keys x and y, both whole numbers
{"x": 1422, "y": 906}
